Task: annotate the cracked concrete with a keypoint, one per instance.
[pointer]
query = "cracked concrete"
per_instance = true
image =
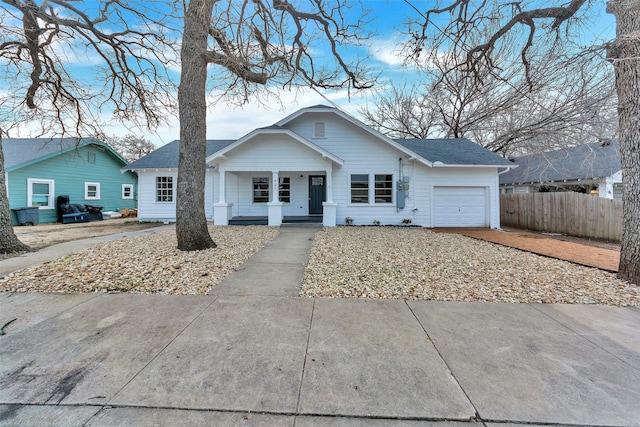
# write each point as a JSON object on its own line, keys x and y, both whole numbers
{"x": 239, "y": 357}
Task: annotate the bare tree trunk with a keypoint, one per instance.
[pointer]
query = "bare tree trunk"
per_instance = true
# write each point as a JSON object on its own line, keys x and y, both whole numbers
{"x": 9, "y": 242}
{"x": 624, "y": 53}
{"x": 191, "y": 222}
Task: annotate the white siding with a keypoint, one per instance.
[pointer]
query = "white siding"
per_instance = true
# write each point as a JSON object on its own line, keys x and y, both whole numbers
{"x": 362, "y": 154}
{"x": 299, "y": 205}
{"x": 468, "y": 177}
{"x": 151, "y": 210}
{"x": 209, "y": 194}
{"x": 148, "y": 208}
{"x": 274, "y": 152}
{"x": 421, "y": 207}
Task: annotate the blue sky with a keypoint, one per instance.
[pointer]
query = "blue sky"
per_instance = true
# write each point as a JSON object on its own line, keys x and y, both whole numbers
{"x": 387, "y": 20}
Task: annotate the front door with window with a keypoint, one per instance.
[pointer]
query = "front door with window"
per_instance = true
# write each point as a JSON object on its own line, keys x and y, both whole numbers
{"x": 317, "y": 194}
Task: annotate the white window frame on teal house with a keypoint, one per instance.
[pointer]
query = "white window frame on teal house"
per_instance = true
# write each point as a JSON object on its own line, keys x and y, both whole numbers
{"x": 50, "y": 203}
{"x": 127, "y": 188}
{"x": 88, "y": 191}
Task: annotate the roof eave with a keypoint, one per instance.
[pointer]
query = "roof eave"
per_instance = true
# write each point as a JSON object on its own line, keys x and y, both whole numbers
{"x": 81, "y": 143}
{"x": 443, "y": 165}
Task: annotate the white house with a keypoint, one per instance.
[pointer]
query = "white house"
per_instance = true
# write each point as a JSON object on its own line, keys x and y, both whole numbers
{"x": 320, "y": 164}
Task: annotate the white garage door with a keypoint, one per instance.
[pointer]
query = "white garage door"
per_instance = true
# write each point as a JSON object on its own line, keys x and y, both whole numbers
{"x": 460, "y": 207}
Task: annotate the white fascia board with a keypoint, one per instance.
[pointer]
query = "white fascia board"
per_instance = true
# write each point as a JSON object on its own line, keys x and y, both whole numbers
{"x": 442, "y": 165}
{"x": 324, "y": 153}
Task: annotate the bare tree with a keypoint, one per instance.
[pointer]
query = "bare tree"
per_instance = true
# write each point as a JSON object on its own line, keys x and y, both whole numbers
{"x": 44, "y": 46}
{"x": 131, "y": 147}
{"x": 252, "y": 44}
{"x": 566, "y": 100}
{"x": 552, "y": 25}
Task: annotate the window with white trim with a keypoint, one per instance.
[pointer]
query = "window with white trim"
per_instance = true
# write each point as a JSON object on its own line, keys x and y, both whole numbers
{"x": 164, "y": 189}
{"x": 371, "y": 189}
{"x": 284, "y": 190}
{"x": 359, "y": 188}
{"x": 127, "y": 191}
{"x": 383, "y": 190}
{"x": 40, "y": 193}
{"x": 260, "y": 189}
{"x": 92, "y": 191}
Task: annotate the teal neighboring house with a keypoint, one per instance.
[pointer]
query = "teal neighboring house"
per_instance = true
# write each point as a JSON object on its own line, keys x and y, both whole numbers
{"x": 38, "y": 170}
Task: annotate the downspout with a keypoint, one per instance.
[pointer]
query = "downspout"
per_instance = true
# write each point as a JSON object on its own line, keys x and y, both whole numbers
{"x": 400, "y": 192}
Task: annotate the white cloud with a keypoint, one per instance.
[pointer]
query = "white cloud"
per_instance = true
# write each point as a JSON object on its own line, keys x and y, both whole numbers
{"x": 388, "y": 51}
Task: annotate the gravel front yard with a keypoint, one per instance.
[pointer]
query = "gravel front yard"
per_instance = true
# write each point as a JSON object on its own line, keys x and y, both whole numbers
{"x": 415, "y": 263}
{"x": 345, "y": 262}
{"x": 145, "y": 264}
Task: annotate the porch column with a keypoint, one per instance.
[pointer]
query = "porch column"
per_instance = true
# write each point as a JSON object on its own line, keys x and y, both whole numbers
{"x": 275, "y": 206}
{"x": 329, "y": 208}
{"x": 222, "y": 174}
{"x": 275, "y": 185}
{"x": 329, "y": 178}
{"x": 222, "y": 209}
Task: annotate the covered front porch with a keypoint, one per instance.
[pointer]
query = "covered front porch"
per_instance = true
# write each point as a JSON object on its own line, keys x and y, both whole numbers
{"x": 274, "y": 198}
{"x": 273, "y": 173}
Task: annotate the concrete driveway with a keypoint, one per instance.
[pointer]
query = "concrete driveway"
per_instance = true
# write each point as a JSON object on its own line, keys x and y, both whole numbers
{"x": 122, "y": 359}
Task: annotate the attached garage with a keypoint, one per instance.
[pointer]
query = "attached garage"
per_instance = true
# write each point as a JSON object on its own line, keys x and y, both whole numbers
{"x": 366, "y": 178}
{"x": 460, "y": 207}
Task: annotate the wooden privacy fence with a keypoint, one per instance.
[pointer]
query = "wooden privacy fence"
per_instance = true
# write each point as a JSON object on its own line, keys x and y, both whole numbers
{"x": 569, "y": 213}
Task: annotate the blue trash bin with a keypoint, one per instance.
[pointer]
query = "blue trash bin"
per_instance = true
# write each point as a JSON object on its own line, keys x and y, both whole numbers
{"x": 27, "y": 215}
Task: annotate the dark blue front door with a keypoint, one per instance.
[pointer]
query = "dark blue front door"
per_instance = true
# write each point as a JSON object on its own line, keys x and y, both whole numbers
{"x": 316, "y": 194}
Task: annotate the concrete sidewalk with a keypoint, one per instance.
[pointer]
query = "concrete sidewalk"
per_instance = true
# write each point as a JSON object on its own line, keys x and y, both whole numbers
{"x": 253, "y": 354}
{"x": 275, "y": 270}
{"x": 119, "y": 359}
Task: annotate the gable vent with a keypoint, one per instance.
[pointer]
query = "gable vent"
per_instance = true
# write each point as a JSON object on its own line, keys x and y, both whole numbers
{"x": 318, "y": 130}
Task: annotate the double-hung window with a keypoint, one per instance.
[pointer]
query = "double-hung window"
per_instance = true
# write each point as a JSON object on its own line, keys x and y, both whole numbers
{"x": 284, "y": 192}
{"x": 360, "y": 188}
{"x": 260, "y": 189}
{"x": 383, "y": 191}
{"x": 92, "y": 191}
{"x": 164, "y": 189}
{"x": 127, "y": 191}
{"x": 371, "y": 188}
{"x": 40, "y": 193}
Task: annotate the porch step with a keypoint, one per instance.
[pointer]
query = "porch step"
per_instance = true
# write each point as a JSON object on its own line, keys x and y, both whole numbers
{"x": 263, "y": 220}
{"x": 302, "y": 219}
{"x": 249, "y": 220}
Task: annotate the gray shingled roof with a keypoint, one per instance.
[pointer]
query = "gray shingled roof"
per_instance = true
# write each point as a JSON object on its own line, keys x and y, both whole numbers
{"x": 573, "y": 163}
{"x": 458, "y": 151}
{"x": 167, "y": 155}
{"x": 18, "y": 151}
{"x": 455, "y": 151}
